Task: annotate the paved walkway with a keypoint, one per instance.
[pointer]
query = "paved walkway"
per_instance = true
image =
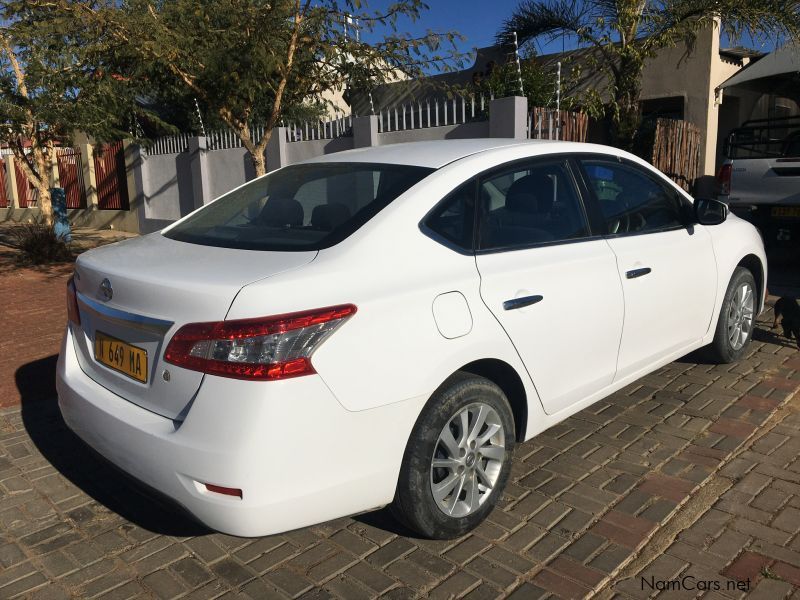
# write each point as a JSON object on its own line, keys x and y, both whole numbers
{"x": 691, "y": 470}
{"x": 33, "y": 315}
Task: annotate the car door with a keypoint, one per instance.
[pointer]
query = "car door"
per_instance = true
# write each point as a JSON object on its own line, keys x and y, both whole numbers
{"x": 550, "y": 282}
{"x": 667, "y": 268}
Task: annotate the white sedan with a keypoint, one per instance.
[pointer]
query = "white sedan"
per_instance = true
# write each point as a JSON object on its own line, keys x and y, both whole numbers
{"x": 381, "y": 326}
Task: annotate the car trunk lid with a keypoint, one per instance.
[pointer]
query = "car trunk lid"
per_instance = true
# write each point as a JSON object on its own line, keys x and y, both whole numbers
{"x": 140, "y": 291}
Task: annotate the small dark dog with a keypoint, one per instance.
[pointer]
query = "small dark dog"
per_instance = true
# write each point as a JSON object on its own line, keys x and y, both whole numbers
{"x": 788, "y": 309}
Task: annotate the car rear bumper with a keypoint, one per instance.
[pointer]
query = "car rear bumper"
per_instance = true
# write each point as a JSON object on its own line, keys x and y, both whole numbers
{"x": 297, "y": 455}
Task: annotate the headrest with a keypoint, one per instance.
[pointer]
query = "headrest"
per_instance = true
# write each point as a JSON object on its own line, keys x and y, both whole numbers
{"x": 282, "y": 212}
{"x": 329, "y": 216}
{"x": 531, "y": 194}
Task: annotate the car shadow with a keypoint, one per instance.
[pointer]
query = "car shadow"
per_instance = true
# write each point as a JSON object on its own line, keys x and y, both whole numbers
{"x": 384, "y": 520}
{"x": 84, "y": 468}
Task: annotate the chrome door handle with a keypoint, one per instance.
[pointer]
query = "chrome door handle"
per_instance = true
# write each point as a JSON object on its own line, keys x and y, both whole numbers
{"x": 521, "y": 302}
{"x": 633, "y": 274}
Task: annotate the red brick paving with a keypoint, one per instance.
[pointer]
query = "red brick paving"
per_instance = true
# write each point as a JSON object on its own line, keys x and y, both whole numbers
{"x": 32, "y": 321}
{"x": 749, "y": 565}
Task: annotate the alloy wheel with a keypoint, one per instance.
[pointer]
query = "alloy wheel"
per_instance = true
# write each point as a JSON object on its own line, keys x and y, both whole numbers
{"x": 740, "y": 316}
{"x": 467, "y": 460}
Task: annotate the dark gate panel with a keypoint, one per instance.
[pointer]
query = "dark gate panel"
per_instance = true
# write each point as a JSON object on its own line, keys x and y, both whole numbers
{"x": 70, "y": 175}
{"x": 109, "y": 170}
{"x": 3, "y": 190}
{"x": 27, "y": 193}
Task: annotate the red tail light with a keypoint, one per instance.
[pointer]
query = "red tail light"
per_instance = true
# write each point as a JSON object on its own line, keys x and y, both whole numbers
{"x": 73, "y": 315}
{"x": 226, "y": 491}
{"x": 265, "y": 348}
{"x": 724, "y": 179}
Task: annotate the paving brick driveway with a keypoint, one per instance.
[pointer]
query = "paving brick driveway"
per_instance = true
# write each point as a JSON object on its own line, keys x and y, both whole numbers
{"x": 692, "y": 470}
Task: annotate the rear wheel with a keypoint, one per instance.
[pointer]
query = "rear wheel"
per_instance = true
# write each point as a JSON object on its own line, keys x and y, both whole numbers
{"x": 458, "y": 459}
{"x": 736, "y": 319}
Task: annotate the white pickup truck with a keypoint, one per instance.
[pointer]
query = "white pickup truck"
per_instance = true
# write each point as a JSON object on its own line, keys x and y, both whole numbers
{"x": 760, "y": 178}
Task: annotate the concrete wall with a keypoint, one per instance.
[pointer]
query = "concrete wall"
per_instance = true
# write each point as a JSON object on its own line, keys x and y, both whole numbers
{"x": 165, "y": 187}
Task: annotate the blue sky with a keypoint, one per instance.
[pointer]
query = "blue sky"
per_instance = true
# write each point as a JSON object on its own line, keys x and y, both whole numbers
{"x": 479, "y": 20}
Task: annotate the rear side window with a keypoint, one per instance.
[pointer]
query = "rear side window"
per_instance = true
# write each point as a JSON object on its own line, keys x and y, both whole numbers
{"x": 299, "y": 208}
{"x": 530, "y": 204}
{"x": 632, "y": 200}
{"x": 454, "y": 218}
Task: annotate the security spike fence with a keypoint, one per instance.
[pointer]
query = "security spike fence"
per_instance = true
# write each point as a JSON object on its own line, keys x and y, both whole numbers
{"x": 434, "y": 112}
{"x": 551, "y": 124}
{"x": 169, "y": 144}
{"x": 340, "y": 126}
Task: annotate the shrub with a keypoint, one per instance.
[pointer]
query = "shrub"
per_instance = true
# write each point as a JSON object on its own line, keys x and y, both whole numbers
{"x": 39, "y": 244}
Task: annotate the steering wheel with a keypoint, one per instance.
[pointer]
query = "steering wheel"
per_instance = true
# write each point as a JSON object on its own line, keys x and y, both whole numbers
{"x": 626, "y": 222}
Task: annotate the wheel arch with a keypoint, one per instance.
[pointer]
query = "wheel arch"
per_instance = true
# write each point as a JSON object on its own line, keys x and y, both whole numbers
{"x": 507, "y": 379}
{"x": 752, "y": 263}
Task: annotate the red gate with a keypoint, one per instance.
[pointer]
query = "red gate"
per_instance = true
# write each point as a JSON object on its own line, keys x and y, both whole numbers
{"x": 109, "y": 170}
{"x": 3, "y": 192}
{"x": 70, "y": 175}
{"x": 27, "y": 194}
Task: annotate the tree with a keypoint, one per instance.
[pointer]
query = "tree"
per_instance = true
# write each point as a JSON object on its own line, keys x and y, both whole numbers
{"x": 622, "y": 34}
{"x": 504, "y": 80}
{"x": 52, "y": 83}
{"x": 253, "y": 63}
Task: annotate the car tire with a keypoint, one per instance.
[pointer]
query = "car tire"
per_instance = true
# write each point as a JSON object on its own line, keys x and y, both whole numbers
{"x": 736, "y": 318}
{"x": 468, "y": 471}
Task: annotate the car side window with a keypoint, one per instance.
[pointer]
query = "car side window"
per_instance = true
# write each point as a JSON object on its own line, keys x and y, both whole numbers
{"x": 530, "y": 204}
{"x": 454, "y": 218}
{"x": 632, "y": 200}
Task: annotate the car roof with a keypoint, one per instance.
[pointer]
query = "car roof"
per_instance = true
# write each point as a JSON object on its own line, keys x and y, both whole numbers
{"x": 436, "y": 154}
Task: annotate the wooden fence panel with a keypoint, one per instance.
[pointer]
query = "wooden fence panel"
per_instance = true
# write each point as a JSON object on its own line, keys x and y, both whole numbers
{"x": 3, "y": 185}
{"x": 551, "y": 124}
{"x": 70, "y": 175}
{"x": 676, "y": 151}
{"x": 27, "y": 194}
{"x": 112, "y": 184}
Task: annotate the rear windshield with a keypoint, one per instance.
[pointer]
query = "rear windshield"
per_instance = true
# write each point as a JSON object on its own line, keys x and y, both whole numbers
{"x": 298, "y": 208}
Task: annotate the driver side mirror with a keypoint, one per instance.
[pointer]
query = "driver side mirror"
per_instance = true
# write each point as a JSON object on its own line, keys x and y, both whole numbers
{"x": 708, "y": 211}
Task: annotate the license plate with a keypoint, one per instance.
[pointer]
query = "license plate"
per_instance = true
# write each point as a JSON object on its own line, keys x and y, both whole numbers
{"x": 120, "y": 356}
{"x": 786, "y": 211}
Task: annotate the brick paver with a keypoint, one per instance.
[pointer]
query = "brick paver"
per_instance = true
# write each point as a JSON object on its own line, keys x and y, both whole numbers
{"x": 584, "y": 497}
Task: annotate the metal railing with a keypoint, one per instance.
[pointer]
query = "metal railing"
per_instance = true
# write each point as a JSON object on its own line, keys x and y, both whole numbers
{"x": 434, "y": 112}
{"x": 340, "y": 126}
{"x": 169, "y": 144}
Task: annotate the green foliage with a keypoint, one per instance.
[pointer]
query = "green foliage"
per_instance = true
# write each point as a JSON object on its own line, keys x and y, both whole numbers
{"x": 538, "y": 86}
{"x": 55, "y": 79}
{"x": 257, "y": 62}
{"x": 38, "y": 244}
{"x": 622, "y": 34}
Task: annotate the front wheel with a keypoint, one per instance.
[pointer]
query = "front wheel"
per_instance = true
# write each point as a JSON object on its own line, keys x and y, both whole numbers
{"x": 458, "y": 459}
{"x": 736, "y": 319}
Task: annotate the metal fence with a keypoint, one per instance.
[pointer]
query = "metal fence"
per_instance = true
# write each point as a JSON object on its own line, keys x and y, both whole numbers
{"x": 340, "y": 126}
{"x": 434, "y": 112}
{"x": 70, "y": 176}
{"x": 169, "y": 144}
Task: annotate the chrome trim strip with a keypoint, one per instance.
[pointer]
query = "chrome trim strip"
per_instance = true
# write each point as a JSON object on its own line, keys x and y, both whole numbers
{"x": 122, "y": 317}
